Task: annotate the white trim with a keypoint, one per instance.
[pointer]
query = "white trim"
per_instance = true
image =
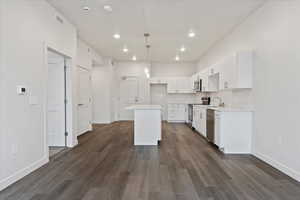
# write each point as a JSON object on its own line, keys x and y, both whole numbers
{"x": 74, "y": 144}
{"x": 102, "y": 122}
{"x": 281, "y": 167}
{"x": 23, "y": 172}
{"x": 71, "y": 137}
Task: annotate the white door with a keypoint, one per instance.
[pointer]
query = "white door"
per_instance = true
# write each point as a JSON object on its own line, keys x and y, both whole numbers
{"x": 84, "y": 101}
{"x": 128, "y": 96}
{"x": 56, "y": 101}
{"x": 159, "y": 97}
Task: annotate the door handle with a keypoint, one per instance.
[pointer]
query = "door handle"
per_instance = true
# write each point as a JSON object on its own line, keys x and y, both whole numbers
{"x": 80, "y": 104}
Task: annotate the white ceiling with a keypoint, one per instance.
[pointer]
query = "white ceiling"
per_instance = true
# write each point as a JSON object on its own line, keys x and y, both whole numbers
{"x": 168, "y": 22}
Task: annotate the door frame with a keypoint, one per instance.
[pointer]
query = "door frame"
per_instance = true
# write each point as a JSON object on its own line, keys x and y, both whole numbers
{"x": 125, "y": 78}
{"x": 91, "y": 97}
{"x": 69, "y": 139}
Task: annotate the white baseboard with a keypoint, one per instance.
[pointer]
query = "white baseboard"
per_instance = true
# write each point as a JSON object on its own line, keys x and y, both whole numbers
{"x": 23, "y": 172}
{"x": 283, "y": 168}
{"x": 101, "y": 122}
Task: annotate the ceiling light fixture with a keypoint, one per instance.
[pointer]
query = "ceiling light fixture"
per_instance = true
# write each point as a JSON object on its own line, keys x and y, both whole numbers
{"x": 192, "y": 34}
{"x": 134, "y": 58}
{"x": 107, "y": 8}
{"x": 182, "y": 49}
{"x": 148, "y": 46}
{"x": 177, "y": 58}
{"x": 125, "y": 50}
{"x": 117, "y": 36}
{"x": 86, "y": 8}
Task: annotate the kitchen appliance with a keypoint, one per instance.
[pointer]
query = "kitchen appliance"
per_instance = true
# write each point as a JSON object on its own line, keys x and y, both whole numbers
{"x": 210, "y": 125}
{"x": 190, "y": 115}
{"x": 205, "y": 100}
{"x": 198, "y": 85}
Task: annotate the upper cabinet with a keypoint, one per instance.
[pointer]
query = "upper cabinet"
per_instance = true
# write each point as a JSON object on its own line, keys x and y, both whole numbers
{"x": 214, "y": 70}
{"x": 158, "y": 80}
{"x": 237, "y": 71}
{"x": 234, "y": 72}
{"x": 175, "y": 84}
{"x": 180, "y": 85}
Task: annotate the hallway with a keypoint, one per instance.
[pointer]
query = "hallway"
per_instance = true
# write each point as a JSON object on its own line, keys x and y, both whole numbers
{"x": 105, "y": 165}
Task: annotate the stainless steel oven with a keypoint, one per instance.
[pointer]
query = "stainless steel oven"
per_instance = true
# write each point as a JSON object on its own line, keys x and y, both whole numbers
{"x": 210, "y": 125}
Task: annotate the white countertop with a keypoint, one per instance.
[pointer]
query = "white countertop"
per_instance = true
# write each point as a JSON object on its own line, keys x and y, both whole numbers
{"x": 228, "y": 109}
{"x": 144, "y": 107}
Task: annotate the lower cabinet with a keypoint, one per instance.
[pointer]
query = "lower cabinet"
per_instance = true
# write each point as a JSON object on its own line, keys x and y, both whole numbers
{"x": 177, "y": 112}
{"x": 199, "y": 119}
{"x": 233, "y": 132}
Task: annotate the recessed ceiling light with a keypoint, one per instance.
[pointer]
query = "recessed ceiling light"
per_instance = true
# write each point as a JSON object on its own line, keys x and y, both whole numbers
{"x": 86, "y": 8}
{"x": 107, "y": 8}
{"x": 177, "y": 58}
{"x": 146, "y": 70}
{"x": 134, "y": 58}
{"x": 117, "y": 36}
{"x": 182, "y": 49}
{"x": 192, "y": 34}
{"x": 125, "y": 49}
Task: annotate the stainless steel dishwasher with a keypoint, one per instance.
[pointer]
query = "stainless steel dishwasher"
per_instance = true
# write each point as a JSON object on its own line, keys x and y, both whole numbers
{"x": 210, "y": 125}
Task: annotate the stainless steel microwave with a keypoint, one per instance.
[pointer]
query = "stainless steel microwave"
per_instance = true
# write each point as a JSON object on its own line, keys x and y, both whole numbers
{"x": 198, "y": 85}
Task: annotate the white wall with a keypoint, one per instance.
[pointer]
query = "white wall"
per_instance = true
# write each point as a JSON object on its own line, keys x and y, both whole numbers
{"x": 173, "y": 69}
{"x": 273, "y": 33}
{"x": 182, "y": 69}
{"x": 106, "y": 81}
{"x": 1, "y": 88}
{"x": 28, "y": 26}
{"x": 84, "y": 55}
{"x": 102, "y": 94}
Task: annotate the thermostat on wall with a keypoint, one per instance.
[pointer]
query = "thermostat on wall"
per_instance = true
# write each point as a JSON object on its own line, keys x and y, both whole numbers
{"x": 22, "y": 90}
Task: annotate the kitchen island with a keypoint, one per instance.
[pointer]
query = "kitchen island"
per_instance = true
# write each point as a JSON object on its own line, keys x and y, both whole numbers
{"x": 147, "y": 124}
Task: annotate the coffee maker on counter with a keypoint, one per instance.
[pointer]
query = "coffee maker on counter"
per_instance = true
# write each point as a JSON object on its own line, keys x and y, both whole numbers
{"x": 205, "y": 100}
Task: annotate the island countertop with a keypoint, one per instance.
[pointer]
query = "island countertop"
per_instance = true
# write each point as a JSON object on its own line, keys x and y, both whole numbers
{"x": 144, "y": 107}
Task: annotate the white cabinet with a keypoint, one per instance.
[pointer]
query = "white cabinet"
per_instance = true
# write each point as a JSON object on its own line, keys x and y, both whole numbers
{"x": 158, "y": 80}
{"x": 180, "y": 85}
{"x": 209, "y": 83}
{"x": 196, "y": 118}
{"x": 237, "y": 71}
{"x": 199, "y": 119}
{"x": 203, "y": 121}
{"x": 175, "y": 85}
{"x": 234, "y": 72}
{"x": 177, "y": 112}
{"x": 213, "y": 70}
{"x": 233, "y": 132}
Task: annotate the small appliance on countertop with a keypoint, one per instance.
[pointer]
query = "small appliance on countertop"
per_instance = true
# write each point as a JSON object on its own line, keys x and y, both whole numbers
{"x": 205, "y": 100}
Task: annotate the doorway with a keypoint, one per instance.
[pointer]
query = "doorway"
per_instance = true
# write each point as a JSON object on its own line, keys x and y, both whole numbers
{"x": 129, "y": 95}
{"x": 84, "y": 101}
{"x": 56, "y": 103}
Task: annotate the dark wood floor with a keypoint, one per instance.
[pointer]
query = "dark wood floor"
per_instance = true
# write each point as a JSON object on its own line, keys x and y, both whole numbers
{"x": 185, "y": 167}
